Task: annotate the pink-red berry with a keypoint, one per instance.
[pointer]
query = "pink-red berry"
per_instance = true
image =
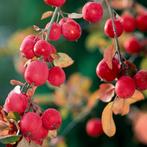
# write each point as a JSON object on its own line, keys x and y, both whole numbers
{"x": 36, "y": 73}
{"x": 27, "y": 46}
{"x": 125, "y": 87}
{"x": 43, "y": 48}
{"x": 55, "y": 3}
{"x": 55, "y": 32}
{"x": 141, "y": 80}
{"x": 129, "y": 23}
{"x": 94, "y": 127}
{"x": 105, "y": 73}
{"x": 51, "y": 119}
{"x": 16, "y": 102}
{"x": 132, "y": 45}
{"x": 108, "y": 28}
{"x": 71, "y": 30}
{"x": 56, "y": 76}
{"x": 92, "y": 12}
{"x": 63, "y": 20}
{"x": 142, "y": 22}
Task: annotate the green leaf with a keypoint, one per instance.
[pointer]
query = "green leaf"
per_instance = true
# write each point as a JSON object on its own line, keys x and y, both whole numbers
{"x": 9, "y": 139}
{"x": 13, "y": 115}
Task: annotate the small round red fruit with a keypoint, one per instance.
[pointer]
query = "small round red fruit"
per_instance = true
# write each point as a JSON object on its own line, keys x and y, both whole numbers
{"x": 142, "y": 22}
{"x": 27, "y": 46}
{"x": 36, "y": 73}
{"x": 92, "y": 12}
{"x": 55, "y": 3}
{"x": 56, "y": 76}
{"x": 141, "y": 80}
{"x": 63, "y": 20}
{"x": 42, "y": 48}
{"x": 129, "y": 23}
{"x": 16, "y": 102}
{"x": 94, "y": 127}
{"x": 108, "y": 28}
{"x": 55, "y": 32}
{"x": 29, "y": 124}
{"x": 71, "y": 30}
{"x": 105, "y": 73}
{"x": 125, "y": 87}
{"x": 51, "y": 119}
{"x": 132, "y": 45}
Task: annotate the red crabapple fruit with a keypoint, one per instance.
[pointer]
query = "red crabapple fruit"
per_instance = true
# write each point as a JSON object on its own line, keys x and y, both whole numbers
{"x": 92, "y": 12}
{"x": 71, "y": 30}
{"x": 142, "y": 22}
{"x": 56, "y": 76}
{"x": 36, "y": 73}
{"x": 55, "y": 32}
{"x": 31, "y": 126}
{"x": 63, "y": 20}
{"x": 105, "y": 73}
{"x": 132, "y": 45}
{"x": 108, "y": 28}
{"x": 16, "y": 102}
{"x": 94, "y": 127}
{"x": 51, "y": 119}
{"x": 55, "y": 3}
{"x": 27, "y": 46}
{"x": 141, "y": 80}
{"x": 125, "y": 87}
{"x": 129, "y": 23}
{"x": 42, "y": 48}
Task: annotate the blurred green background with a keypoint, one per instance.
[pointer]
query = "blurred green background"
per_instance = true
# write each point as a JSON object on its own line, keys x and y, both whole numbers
{"x": 21, "y": 14}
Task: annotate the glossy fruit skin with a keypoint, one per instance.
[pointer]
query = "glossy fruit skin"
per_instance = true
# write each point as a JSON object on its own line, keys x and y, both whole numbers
{"x": 16, "y": 102}
{"x": 55, "y": 3}
{"x": 94, "y": 127}
{"x": 27, "y": 46}
{"x": 42, "y": 48}
{"x": 132, "y": 45}
{"x": 141, "y": 80}
{"x": 55, "y": 32}
{"x": 51, "y": 119}
{"x": 142, "y": 22}
{"x": 71, "y": 30}
{"x": 32, "y": 128}
{"x": 105, "y": 73}
{"x": 129, "y": 23}
{"x": 63, "y": 20}
{"x": 36, "y": 73}
{"x": 108, "y": 28}
{"x": 56, "y": 76}
{"x": 92, "y": 12}
{"x": 125, "y": 87}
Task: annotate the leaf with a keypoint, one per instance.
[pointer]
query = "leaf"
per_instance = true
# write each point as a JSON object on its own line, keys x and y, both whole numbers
{"x": 106, "y": 92}
{"x": 25, "y": 143}
{"x": 75, "y": 15}
{"x": 137, "y": 96}
{"x": 46, "y": 14}
{"x": 36, "y": 28}
{"x": 108, "y": 124}
{"x": 4, "y": 125}
{"x": 108, "y": 56}
{"x": 13, "y": 115}
{"x": 52, "y": 134}
{"x": 63, "y": 60}
{"x": 120, "y": 106}
{"x": 9, "y": 139}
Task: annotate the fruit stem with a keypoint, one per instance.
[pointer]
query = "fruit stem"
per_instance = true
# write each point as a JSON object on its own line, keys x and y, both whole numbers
{"x": 51, "y": 22}
{"x": 115, "y": 33}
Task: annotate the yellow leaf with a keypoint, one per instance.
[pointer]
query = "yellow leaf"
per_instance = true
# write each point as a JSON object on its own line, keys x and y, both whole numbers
{"x": 108, "y": 123}
{"x": 63, "y": 60}
{"x": 137, "y": 96}
{"x": 46, "y": 14}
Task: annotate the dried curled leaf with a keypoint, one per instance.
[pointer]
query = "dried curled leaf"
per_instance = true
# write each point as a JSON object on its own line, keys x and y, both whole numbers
{"x": 120, "y": 106}
{"x": 36, "y": 28}
{"x": 46, "y": 14}
{"x": 62, "y": 60}
{"x": 108, "y": 123}
{"x": 137, "y": 96}
{"x": 75, "y": 15}
{"x": 108, "y": 56}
